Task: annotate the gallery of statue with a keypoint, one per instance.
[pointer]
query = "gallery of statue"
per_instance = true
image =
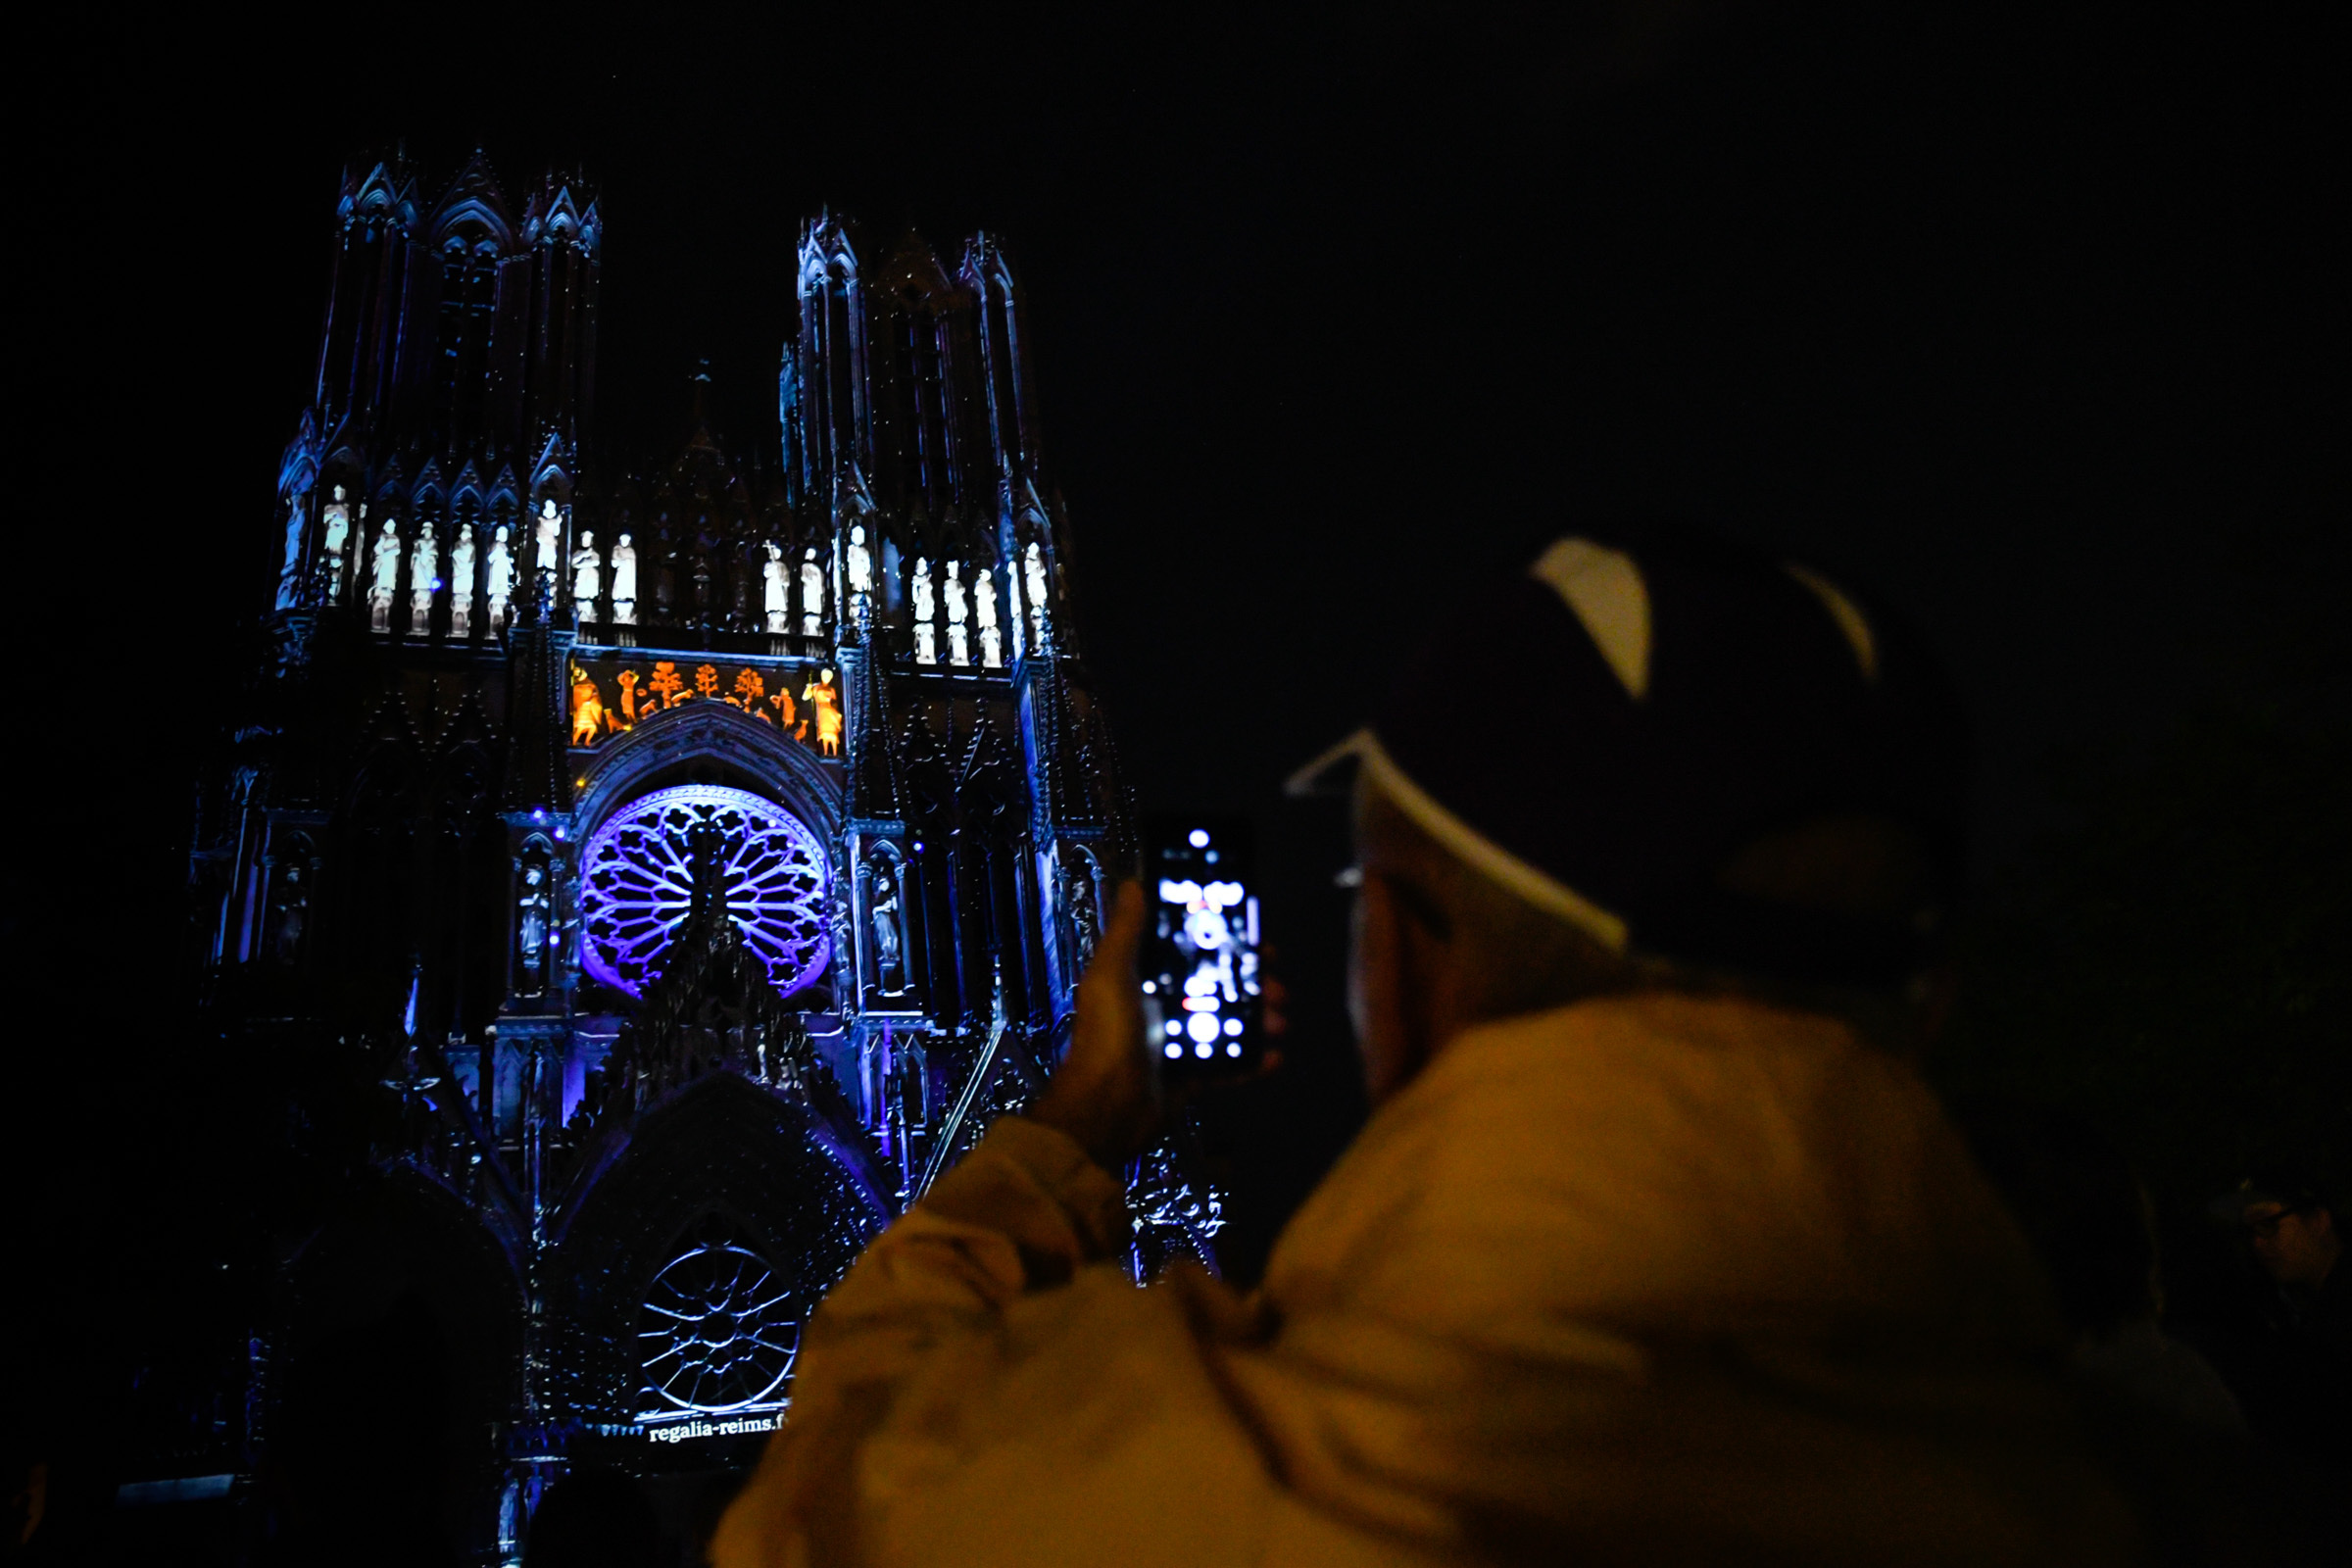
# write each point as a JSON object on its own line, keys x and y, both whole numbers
{"x": 697, "y": 859}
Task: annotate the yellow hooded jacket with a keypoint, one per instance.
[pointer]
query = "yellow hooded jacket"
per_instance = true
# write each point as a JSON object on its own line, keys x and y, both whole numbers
{"x": 1644, "y": 1280}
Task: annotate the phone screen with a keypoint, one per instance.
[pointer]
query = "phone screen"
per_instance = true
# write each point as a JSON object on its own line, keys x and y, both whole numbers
{"x": 1200, "y": 959}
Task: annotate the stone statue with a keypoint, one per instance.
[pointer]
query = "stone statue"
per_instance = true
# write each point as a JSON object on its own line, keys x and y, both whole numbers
{"x": 587, "y": 577}
{"x": 883, "y": 911}
{"x": 530, "y": 927}
{"x": 588, "y": 717}
{"x": 1034, "y": 565}
{"x": 501, "y": 577}
{"x": 984, "y": 611}
{"x": 813, "y": 596}
{"x": 862, "y": 562}
{"x": 624, "y": 583}
{"x": 386, "y": 580}
{"x": 460, "y": 582}
{"x": 338, "y": 534}
{"x": 1086, "y": 917}
{"x": 960, "y": 637}
{"x": 772, "y": 575}
{"x": 289, "y": 572}
{"x": 926, "y": 644}
{"x": 550, "y": 535}
{"x": 824, "y": 702}
{"x": 292, "y": 897}
{"x": 425, "y": 561}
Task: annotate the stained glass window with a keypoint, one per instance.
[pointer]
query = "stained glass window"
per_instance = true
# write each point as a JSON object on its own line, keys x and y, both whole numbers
{"x": 637, "y": 885}
{"x": 717, "y": 1334}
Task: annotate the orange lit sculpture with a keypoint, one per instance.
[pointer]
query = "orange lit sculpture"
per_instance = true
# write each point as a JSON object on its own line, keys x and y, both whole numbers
{"x": 822, "y": 696}
{"x": 587, "y": 710}
{"x": 612, "y": 696}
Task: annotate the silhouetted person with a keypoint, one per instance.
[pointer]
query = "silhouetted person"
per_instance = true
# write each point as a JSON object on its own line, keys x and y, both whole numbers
{"x": 593, "y": 1518}
{"x": 1655, "y": 1249}
{"x": 2296, "y": 1378}
{"x": 2082, "y": 1208}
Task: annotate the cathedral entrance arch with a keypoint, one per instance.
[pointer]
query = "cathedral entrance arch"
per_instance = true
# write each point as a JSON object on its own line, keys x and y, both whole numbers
{"x": 680, "y": 1281}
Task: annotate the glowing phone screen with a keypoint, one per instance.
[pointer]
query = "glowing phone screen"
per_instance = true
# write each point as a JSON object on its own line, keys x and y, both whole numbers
{"x": 1200, "y": 959}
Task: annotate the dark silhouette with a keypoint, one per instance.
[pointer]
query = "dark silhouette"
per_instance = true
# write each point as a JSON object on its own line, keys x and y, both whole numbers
{"x": 595, "y": 1517}
{"x": 2288, "y": 1352}
{"x": 2082, "y": 1206}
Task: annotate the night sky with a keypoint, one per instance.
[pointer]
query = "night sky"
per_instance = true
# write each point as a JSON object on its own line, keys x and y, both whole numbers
{"x": 2032, "y": 325}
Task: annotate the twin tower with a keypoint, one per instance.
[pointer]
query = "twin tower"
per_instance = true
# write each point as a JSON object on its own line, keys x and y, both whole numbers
{"x": 671, "y": 871}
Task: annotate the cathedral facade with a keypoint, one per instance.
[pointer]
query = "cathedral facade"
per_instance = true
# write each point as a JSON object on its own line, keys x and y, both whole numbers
{"x": 691, "y": 860}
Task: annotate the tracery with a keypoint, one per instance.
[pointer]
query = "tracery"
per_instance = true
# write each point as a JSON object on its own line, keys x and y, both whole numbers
{"x": 637, "y": 884}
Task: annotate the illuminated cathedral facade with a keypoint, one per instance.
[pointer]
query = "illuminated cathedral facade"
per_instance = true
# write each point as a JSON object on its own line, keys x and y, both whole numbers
{"x": 692, "y": 861}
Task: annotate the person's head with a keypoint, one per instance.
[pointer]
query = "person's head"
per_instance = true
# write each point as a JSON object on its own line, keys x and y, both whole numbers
{"x": 2290, "y": 1227}
{"x": 1673, "y": 765}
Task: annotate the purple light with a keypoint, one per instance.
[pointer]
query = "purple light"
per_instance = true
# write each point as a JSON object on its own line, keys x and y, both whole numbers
{"x": 637, "y": 885}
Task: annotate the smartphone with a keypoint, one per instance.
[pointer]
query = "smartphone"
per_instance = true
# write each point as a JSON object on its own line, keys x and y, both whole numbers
{"x": 1202, "y": 1004}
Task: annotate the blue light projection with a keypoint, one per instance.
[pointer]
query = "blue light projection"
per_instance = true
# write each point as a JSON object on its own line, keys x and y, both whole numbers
{"x": 637, "y": 885}
{"x": 715, "y": 1333}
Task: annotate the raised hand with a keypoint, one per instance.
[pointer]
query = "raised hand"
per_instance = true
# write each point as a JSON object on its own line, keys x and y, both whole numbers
{"x": 1106, "y": 1094}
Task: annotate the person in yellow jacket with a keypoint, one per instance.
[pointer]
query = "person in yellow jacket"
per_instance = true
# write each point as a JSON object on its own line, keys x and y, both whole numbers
{"x": 1655, "y": 1249}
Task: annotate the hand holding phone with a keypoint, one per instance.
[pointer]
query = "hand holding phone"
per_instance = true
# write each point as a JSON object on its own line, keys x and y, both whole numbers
{"x": 1106, "y": 1092}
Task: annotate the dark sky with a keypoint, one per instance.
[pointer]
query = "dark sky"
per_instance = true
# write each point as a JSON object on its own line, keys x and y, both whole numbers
{"x": 2035, "y": 327}
{"x": 2033, "y": 324}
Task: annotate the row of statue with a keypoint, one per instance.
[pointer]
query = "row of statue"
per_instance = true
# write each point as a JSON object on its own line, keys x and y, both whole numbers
{"x": 496, "y": 565}
{"x": 949, "y": 616}
{"x": 944, "y": 612}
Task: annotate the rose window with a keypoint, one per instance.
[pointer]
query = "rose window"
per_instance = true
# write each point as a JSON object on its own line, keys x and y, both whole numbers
{"x": 637, "y": 885}
{"x": 717, "y": 1332}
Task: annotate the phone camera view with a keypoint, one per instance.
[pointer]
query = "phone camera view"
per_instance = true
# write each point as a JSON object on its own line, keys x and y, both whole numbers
{"x": 1200, "y": 980}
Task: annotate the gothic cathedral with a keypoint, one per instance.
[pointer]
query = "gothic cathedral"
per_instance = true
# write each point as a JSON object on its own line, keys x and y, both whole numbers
{"x": 692, "y": 861}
